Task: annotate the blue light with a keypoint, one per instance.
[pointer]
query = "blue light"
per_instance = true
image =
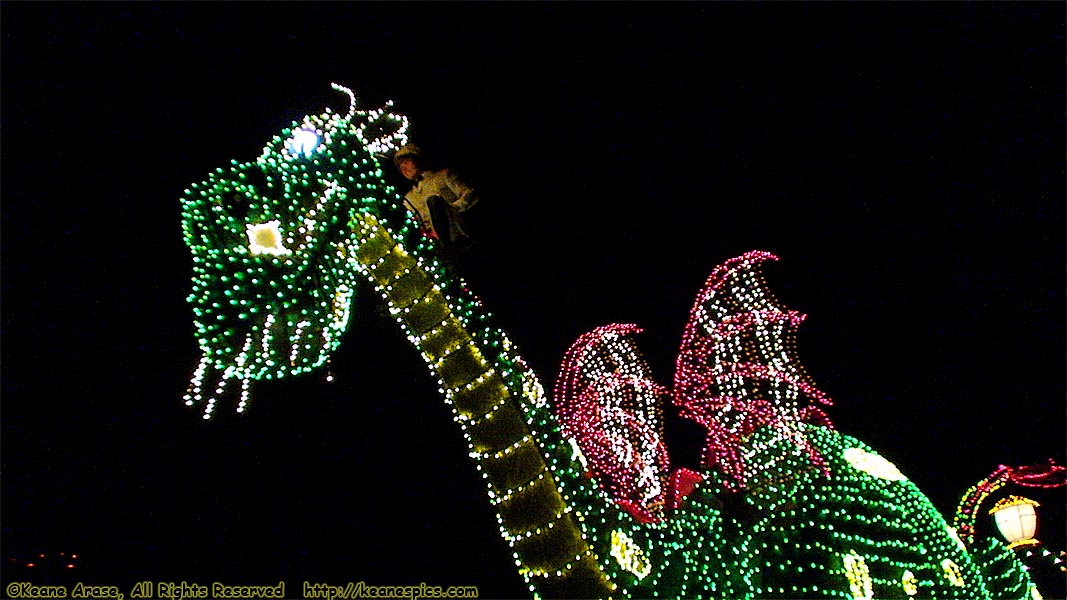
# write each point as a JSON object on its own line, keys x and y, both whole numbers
{"x": 303, "y": 142}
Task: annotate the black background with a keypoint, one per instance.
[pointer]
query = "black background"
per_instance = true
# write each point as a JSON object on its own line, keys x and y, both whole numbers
{"x": 905, "y": 161}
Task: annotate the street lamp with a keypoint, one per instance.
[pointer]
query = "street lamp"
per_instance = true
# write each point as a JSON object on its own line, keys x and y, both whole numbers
{"x": 1017, "y": 520}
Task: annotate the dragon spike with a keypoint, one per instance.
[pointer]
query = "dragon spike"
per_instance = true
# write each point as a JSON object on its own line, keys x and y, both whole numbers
{"x": 381, "y": 130}
{"x": 351, "y": 98}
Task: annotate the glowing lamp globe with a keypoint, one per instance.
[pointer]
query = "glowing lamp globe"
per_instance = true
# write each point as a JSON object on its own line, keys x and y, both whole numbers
{"x": 1017, "y": 520}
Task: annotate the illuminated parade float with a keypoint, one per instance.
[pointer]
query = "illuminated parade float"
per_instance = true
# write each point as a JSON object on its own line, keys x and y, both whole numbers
{"x": 782, "y": 505}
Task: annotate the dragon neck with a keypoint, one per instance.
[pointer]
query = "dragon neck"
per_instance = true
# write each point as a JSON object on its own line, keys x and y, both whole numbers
{"x": 501, "y": 409}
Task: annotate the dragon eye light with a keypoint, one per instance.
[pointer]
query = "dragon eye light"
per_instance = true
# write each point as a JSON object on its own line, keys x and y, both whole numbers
{"x": 304, "y": 142}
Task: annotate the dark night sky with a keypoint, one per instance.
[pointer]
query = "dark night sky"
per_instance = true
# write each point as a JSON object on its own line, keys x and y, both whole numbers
{"x": 905, "y": 161}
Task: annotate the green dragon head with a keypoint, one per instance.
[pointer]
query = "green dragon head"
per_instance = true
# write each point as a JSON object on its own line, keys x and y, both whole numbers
{"x": 273, "y": 279}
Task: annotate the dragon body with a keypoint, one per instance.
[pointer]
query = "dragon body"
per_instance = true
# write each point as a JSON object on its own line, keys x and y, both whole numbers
{"x": 783, "y": 505}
